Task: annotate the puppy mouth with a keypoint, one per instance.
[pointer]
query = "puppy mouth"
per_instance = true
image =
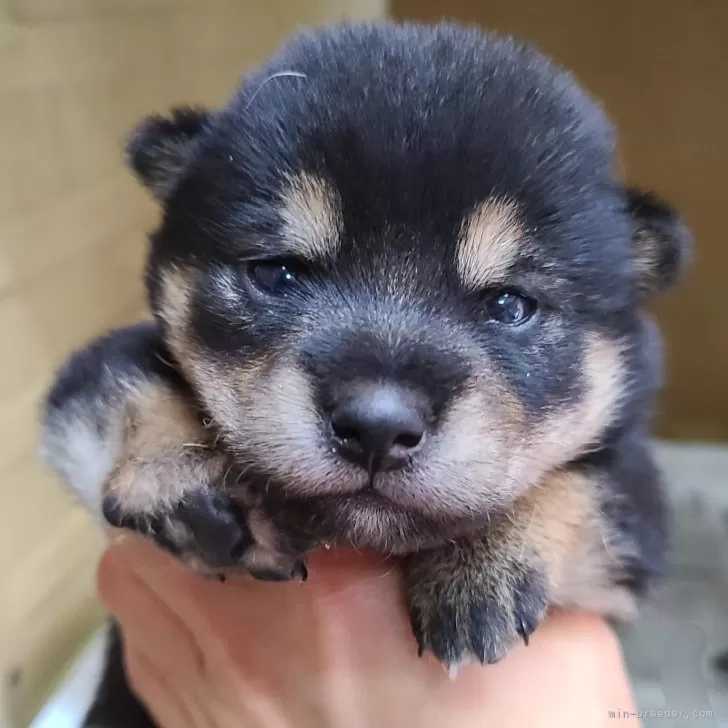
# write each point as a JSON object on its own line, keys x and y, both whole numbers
{"x": 368, "y": 519}
{"x": 367, "y": 497}
{"x": 372, "y": 497}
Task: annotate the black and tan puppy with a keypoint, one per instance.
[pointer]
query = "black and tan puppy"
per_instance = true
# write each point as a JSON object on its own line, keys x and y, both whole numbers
{"x": 398, "y": 293}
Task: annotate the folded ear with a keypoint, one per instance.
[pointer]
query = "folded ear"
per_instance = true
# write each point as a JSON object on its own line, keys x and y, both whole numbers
{"x": 661, "y": 242}
{"x": 159, "y": 148}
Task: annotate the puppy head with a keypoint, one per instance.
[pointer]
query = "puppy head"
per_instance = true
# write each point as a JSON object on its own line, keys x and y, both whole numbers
{"x": 400, "y": 273}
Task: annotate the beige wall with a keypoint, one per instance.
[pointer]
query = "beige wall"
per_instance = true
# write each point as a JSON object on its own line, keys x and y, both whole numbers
{"x": 74, "y": 76}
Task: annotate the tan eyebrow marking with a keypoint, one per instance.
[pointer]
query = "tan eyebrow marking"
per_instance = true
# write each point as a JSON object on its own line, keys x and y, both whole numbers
{"x": 489, "y": 242}
{"x": 312, "y": 218}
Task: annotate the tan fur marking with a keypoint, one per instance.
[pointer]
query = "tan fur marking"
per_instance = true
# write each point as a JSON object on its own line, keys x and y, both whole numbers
{"x": 573, "y": 431}
{"x": 281, "y": 423}
{"x": 469, "y": 468}
{"x": 547, "y": 550}
{"x": 176, "y": 291}
{"x": 549, "y": 521}
{"x": 224, "y": 390}
{"x": 273, "y": 414}
{"x": 177, "y": 286}
{"x": 552, "y": 532}
{"x": 311, "y": 212}
{"x": 175, "y": 299}
{"x": 560, "y": 524}
{"x": 167, "y": 453}
{"x": 486, "y": 453}
{"x": 490, "y": 240}
{"x": 555, "y": 529}
{"x": 538, "y": 533}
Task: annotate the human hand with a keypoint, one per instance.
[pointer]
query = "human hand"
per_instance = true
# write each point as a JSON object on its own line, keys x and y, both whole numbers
{"x": 337, "y": 652}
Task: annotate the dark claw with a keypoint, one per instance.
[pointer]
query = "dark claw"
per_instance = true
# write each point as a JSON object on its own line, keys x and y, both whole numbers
{"x": 118, "y": 518}
{"x": 268, "y": 575}
{"x": 530, "y": 604}
{"x": 445, "y": 636}
{"x": 303, "y": 572}
{"x": 214, "y": 576}
{"x": 461, "y": 624}
{"x": 299, "y": 571}
{"x": 522, "y": 631}
{"x": 113, "y": 513}
{"x": 237, "y": 551}
{"x": 416, "y": 623}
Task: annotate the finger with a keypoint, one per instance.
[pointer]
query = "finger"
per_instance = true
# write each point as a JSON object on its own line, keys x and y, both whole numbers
{"x": 155, "y": 690}
{"x": 350, "y": 610}
{"x": 146, "y": 619}
{"x": 339, "y": 577}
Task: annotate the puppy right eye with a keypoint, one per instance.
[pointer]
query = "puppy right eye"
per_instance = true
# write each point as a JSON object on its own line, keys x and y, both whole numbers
{"x": 273, "y": 277}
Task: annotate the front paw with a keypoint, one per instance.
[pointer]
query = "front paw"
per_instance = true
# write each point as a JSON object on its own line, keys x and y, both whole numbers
{"x": 466, "y": 605}
{"x": 211, "y": 533}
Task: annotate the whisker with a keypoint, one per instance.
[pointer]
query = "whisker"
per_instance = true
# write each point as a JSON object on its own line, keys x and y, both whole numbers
{"x": 279, "y": 74}
{"x": 525, "y": 533}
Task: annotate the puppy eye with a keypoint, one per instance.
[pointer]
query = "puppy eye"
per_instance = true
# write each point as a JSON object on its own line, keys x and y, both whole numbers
{"x": 509, "y": 307}
{"x": 274, "y": 277}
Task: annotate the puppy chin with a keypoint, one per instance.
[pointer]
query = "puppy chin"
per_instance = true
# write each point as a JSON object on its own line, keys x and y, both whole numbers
{"x": 369, "y": 520}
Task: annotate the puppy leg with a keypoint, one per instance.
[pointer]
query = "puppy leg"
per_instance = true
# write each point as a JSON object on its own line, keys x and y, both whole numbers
{"x": 561, "y": 544}
{"x": 175, "y": 482}
{"x": 123, "y": 429}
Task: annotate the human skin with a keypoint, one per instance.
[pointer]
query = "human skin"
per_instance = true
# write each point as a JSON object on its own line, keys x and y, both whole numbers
{"x": 337, "y": 652}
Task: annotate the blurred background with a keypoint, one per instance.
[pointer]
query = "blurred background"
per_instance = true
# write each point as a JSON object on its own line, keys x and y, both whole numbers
{"x": 75, "y": 75}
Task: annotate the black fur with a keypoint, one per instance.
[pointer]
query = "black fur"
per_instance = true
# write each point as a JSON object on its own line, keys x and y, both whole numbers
{"x": 159, "y": 148}
{"x": 136, "y": 352}
{"x": 661, "y": 237}
{"x": 217, "y": 522}
{"x": 410, "y": 128}
{"x": 409, "y": 161}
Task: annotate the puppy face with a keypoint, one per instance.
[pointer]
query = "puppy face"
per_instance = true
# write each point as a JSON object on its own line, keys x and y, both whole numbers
{"x": 401, "y": 276}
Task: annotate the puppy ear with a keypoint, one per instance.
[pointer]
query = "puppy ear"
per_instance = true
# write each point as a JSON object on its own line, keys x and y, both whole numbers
{"x": 159, "y": 148}
{"x": 661, "y": 242}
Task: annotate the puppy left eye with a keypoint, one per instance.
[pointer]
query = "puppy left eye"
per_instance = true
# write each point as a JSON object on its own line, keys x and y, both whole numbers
{"x": 509, "y": 307}
{"x": 273, "y": 277}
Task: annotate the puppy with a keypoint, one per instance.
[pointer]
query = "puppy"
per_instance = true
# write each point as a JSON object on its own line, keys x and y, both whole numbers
{"x": 399, "y": 303}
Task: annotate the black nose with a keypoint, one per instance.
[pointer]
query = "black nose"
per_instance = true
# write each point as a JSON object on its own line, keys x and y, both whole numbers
{"x": 379, "y": 426}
